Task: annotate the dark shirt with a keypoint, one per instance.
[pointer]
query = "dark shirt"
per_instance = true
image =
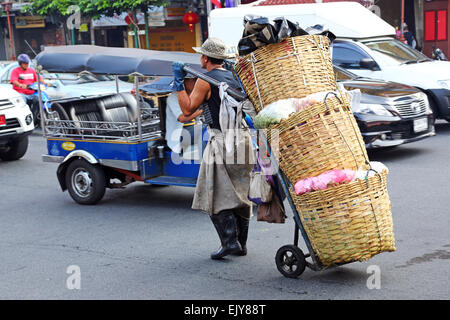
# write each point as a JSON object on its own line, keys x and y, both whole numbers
{"x": 409, "y": 37}
{"x": 214, "y": 101}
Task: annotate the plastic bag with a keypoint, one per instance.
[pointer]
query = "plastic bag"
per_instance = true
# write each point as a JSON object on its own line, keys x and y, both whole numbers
{"x": 282, "y": 109}
{"x": 260, "y": 31}
{"x": 272, "y": 212}
{"x": 260, "y": 190}
{"x": 325, "y": 180}
{"x": 355, "y": 99}
{"x": 375, "y": 167}
{"x": 275, "y": 112}
{"x": 335, "y": 177}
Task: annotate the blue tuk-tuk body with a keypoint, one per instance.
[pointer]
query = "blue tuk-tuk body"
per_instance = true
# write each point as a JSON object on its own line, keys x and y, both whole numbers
{"x": 133, "y": 157}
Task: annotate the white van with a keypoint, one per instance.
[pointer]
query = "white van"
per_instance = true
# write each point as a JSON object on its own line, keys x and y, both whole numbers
{"x": 16, "y": 124}
{"x": 365, "y": 44}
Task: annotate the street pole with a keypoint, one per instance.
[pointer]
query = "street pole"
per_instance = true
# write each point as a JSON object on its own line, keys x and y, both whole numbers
{"x": 92, "y": 32}
{"x": 11, "y": 43}
{"x": 402, "y": 38}
{"x": 136, "y": 31}
{"x": 72, "y": 35}
{"x": 147, "y": 36}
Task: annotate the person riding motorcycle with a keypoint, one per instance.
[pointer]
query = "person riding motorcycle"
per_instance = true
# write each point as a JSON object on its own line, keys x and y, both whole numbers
{"x": 21, "y": 78}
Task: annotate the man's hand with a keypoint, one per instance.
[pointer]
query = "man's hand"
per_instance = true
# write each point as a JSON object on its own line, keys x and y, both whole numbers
{"x": 178, "y": 74}
{"x": 21, "y": 85}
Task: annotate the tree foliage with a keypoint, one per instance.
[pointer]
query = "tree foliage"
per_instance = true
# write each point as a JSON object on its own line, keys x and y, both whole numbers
{"x": 91, "y": 8}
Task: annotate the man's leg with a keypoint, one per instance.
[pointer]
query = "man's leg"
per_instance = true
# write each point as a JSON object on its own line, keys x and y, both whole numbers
{"x": 242, "y": 226}
{"x": 242, "y": 216}
{"x": 226, "y": 227}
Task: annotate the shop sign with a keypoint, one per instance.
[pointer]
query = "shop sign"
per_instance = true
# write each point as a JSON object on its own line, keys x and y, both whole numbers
{"x": 175, "y": 13}
{"x": 23, "y": 22}
{"x": 84, "y": 27}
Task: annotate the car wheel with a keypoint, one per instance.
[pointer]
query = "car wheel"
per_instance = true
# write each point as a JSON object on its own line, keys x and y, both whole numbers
{"x": 16, "y": 149}
{"x": 85, "y": 182}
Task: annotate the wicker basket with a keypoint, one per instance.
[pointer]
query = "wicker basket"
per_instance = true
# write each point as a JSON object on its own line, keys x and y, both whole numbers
{"x": 349, "y": 222}
{"x": 294, "y": 68}
{"x": 322, "y": 137}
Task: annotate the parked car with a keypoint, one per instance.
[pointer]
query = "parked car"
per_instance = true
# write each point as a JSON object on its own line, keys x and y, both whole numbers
{"x": 66, "y": 85}
{"x": 391, "y": 60}
{"x": 390, "y": 114}
{"x": 16, "y": 123}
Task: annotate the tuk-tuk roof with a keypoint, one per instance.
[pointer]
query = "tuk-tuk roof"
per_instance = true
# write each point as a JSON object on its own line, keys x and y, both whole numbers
{"x": 113, "y": 61}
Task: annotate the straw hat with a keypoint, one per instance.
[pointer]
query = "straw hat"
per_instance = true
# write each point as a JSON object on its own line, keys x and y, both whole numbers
{"x": 214, "y": 48}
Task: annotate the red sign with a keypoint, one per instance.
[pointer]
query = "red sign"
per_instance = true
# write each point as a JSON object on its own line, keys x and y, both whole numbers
{"x": 2, "y": 120}
{"x": 216, "y": 3}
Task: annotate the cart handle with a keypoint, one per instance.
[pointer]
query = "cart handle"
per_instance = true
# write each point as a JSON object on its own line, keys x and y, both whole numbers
{"x": 231, "y": 91}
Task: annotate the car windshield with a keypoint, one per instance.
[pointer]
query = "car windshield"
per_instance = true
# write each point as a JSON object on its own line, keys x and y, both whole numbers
{"x": 397, "y": 50}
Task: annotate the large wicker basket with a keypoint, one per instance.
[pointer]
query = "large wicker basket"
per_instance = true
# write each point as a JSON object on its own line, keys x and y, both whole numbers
{"x": 349, "y": 222}
{"x": 294, "y": 68}
{"x": 322, "y": 137}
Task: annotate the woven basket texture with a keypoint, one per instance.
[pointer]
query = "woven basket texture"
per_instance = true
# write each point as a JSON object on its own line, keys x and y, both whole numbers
{"x": 350, "y": 222}
{"x": 320, "y": 138}
{"x": 293, "y": 68}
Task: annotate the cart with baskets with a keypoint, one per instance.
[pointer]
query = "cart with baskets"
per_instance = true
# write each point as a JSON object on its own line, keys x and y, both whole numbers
{"x": 120, "y": 137}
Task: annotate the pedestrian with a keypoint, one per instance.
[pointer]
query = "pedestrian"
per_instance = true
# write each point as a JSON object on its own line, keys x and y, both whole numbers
{"x": 222, "y": 187}
{"x": 409, "y": 37}
{"x": 21, "y": 78}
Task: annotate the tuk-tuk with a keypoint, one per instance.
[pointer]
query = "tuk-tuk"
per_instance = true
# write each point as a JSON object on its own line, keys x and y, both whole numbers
{"x": 109, "y": 141}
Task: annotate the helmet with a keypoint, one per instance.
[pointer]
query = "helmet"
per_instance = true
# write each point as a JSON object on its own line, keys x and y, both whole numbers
{"x": 23, "y": 58}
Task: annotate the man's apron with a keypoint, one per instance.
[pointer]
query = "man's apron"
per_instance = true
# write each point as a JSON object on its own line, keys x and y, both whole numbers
{"x": 224, "y": 178}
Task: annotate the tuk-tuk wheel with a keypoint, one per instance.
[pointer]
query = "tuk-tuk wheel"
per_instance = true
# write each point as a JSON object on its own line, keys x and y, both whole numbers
{"x": 290, "y": 261}
{"x": 85, "y": 182}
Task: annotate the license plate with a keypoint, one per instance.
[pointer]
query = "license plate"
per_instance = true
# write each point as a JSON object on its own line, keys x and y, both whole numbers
{"x": 420, "y": 125}
{"x": 2, "y": 120}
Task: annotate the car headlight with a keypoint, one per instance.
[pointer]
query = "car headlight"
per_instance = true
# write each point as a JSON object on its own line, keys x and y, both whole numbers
{"x": 372, "y": 108}
{"x": 444, "y": 84}
{"x": 17, "y": 101}
{"x": 28, "y": 119}
{"x": 423, "y": 96}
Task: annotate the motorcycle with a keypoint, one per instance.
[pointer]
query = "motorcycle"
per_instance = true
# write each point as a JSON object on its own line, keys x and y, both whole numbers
{"x": 437, "y": 54}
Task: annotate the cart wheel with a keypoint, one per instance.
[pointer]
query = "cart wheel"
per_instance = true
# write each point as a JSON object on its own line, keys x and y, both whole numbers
{"x": 290, "y": 261}
{"x": 86, "y": 182}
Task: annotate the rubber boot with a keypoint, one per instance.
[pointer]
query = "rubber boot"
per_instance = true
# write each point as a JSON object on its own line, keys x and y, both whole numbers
{"x": 242, "y": 227}
{"x": 226, "y": 227}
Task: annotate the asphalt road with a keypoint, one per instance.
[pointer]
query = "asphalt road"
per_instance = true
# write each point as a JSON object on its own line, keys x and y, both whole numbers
{"x": 146, "y": 243}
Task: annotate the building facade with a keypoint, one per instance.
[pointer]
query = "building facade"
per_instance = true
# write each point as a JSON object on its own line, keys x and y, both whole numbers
{"x": 436, "y": 26}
